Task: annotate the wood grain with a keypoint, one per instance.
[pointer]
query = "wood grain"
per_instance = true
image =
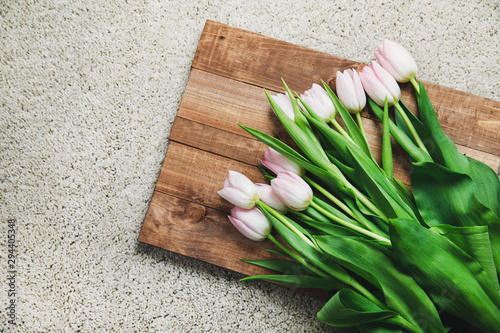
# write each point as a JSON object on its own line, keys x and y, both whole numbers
{"x": 229, "y": 71}
{"x": 196, "y": 175}
{"x": 262, "y": 61}
{"x": 204, "y": 233}
{"x": 469, "y": 120}
{"x": 208, "y": 96}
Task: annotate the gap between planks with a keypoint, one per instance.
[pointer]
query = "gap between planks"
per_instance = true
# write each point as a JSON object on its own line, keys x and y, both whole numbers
{"x": 471, "y": 121}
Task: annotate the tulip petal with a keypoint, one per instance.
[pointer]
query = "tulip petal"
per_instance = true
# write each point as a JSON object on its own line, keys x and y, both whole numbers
{"x": 237, "y": 197}
{"x": 388, "y": 67}
{"x": 251, "y": 222}
{"x": 374, "y": 88}
{"x": 358, "y": 88}
{"x": 268, "y": 197}
{"x": 244, "y": 230}
{"x": 243, "y": 184}
{"x": 346, "y": 92}
{"x": 387, "y": 80}
{"x": 285, "y": 104}
{"x": 397, "y": 60}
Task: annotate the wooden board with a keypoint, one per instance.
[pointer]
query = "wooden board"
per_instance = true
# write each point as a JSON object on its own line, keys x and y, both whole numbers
{"x": 229, "y": 71}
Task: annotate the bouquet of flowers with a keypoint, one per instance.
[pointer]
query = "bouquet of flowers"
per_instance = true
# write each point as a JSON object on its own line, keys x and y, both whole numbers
{"x": 390, "y": 259}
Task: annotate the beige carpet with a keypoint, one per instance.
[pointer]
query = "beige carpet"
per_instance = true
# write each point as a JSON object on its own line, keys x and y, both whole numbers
{"x": 88, "y": 93}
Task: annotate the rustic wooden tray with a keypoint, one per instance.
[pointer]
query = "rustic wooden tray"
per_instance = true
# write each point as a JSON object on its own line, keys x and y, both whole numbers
{"x": 229, "y": 71}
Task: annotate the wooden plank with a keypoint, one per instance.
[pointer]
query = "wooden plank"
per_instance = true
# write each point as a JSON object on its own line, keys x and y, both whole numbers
{"x": 217, "y": 141}
{"x": 202, "y": 233}
{"x": 215, "y": 105}
{"x": 196, "y": 175}
{"x": 206, "y": 234}
{"x": 262, "y": 61}
{"x": 225, "y": 88}
{"x": 469, "y": 120}
{"x": 224, "y": 103}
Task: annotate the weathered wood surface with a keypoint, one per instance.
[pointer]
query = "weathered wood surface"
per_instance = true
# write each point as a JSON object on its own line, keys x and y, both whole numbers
{"x": 230, "y": 69}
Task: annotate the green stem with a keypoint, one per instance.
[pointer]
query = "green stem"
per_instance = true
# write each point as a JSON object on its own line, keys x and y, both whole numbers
{"x": 302, "y": 216}
{"x": 283, "y": 220}
{"x": 335, "y": 200}
{"x": 344, "y": 279}
{"x": 369, "y": 204}
{"x": 340, "y": 129}
{"x": 387, "y": 163}
{"x": 415, "y": 85}
{"x": 401, "y": 322}
{"x": 360, "y": 125}
{"x": 349, "y": 225}
{"x": 365, "y": 223}
{"x": 410, "y": 127}
{"x": 296, "y": 257}
{"x": 363, "y": 133}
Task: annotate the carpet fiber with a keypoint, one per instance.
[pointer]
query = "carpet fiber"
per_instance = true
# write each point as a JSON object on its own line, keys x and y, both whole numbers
{"x": 88, "y": 93}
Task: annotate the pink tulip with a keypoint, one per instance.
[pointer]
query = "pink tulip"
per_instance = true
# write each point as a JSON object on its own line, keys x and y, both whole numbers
{"x": 239, "y": 190}
{"x": 251, "y": 223}
{"x": 285, "y": 104}
{"x": 268, "y": 197}
{"x": 292, "y": 190}
{"x": 395, "y": 59}
{"x": 379, "y": 84}
{"x": 350, "y": 91}
{"x": 276, "y": 162}
{"x": 318, "y": 100}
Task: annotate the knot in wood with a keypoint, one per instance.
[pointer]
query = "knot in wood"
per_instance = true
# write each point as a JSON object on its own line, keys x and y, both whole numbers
{"x": 195, "y": 213}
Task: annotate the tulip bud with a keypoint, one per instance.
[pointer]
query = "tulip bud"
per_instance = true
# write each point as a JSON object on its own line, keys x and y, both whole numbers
{"x": 318, "y": 100}
{"x": 285, "y": 104}
{"x": 276, "y": 162}
{"x": 250, "y": 222}
{"x": 350, "y": 91}
{"x": 379, "y": 84}
{"x": 268, "y": 197}
{"x": 292, "y": 190}
{"x": 239, "y": 190}
{"x": 395, "y": 59}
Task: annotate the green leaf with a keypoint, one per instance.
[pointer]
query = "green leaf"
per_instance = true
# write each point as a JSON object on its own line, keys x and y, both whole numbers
{"x": 352, "y": 152}
{"x": 288, "y": 152}
{"x": 348, "y": 172}
{"x": 380, "y": 197}
{"x": 300, "y": 281}
{"x": 348, "y": 308}
{"x": 453, "y": 279}
{"x": 299, "y": 118}
{"x": 282, "y": 266}
{"x": 358, "y": 218}
{"x": 415, "y": 122}
{"x": 371, "y": 328}
{"x": 315, "y": 215}
{"x": 475, "y": 241}
{"x": 487, "y": 185}
{"x": 352, "y": 128}
{"x": 310, "y": 146}
{"x": 308, "y": 252}
{"x": 408, "y": 145}
{"x": 447, "y": 197}
{"x": 332, "y": 176}
{"x": 375, "y": 264}
{"x": 386, "y": 143}
{"x": 279, "y": 253}
{"x": 332, "y": 229}
{"x": 439, "y": 145}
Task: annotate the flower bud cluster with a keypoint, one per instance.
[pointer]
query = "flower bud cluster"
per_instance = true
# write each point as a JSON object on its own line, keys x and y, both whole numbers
{"x": 287, "y": 191}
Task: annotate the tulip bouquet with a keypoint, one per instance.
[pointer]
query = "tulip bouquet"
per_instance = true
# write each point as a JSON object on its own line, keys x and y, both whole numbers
{"x": 390, "y": 259}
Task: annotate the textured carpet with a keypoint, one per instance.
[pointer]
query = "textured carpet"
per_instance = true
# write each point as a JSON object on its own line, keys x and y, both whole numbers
{"x": 88, "y": 93}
